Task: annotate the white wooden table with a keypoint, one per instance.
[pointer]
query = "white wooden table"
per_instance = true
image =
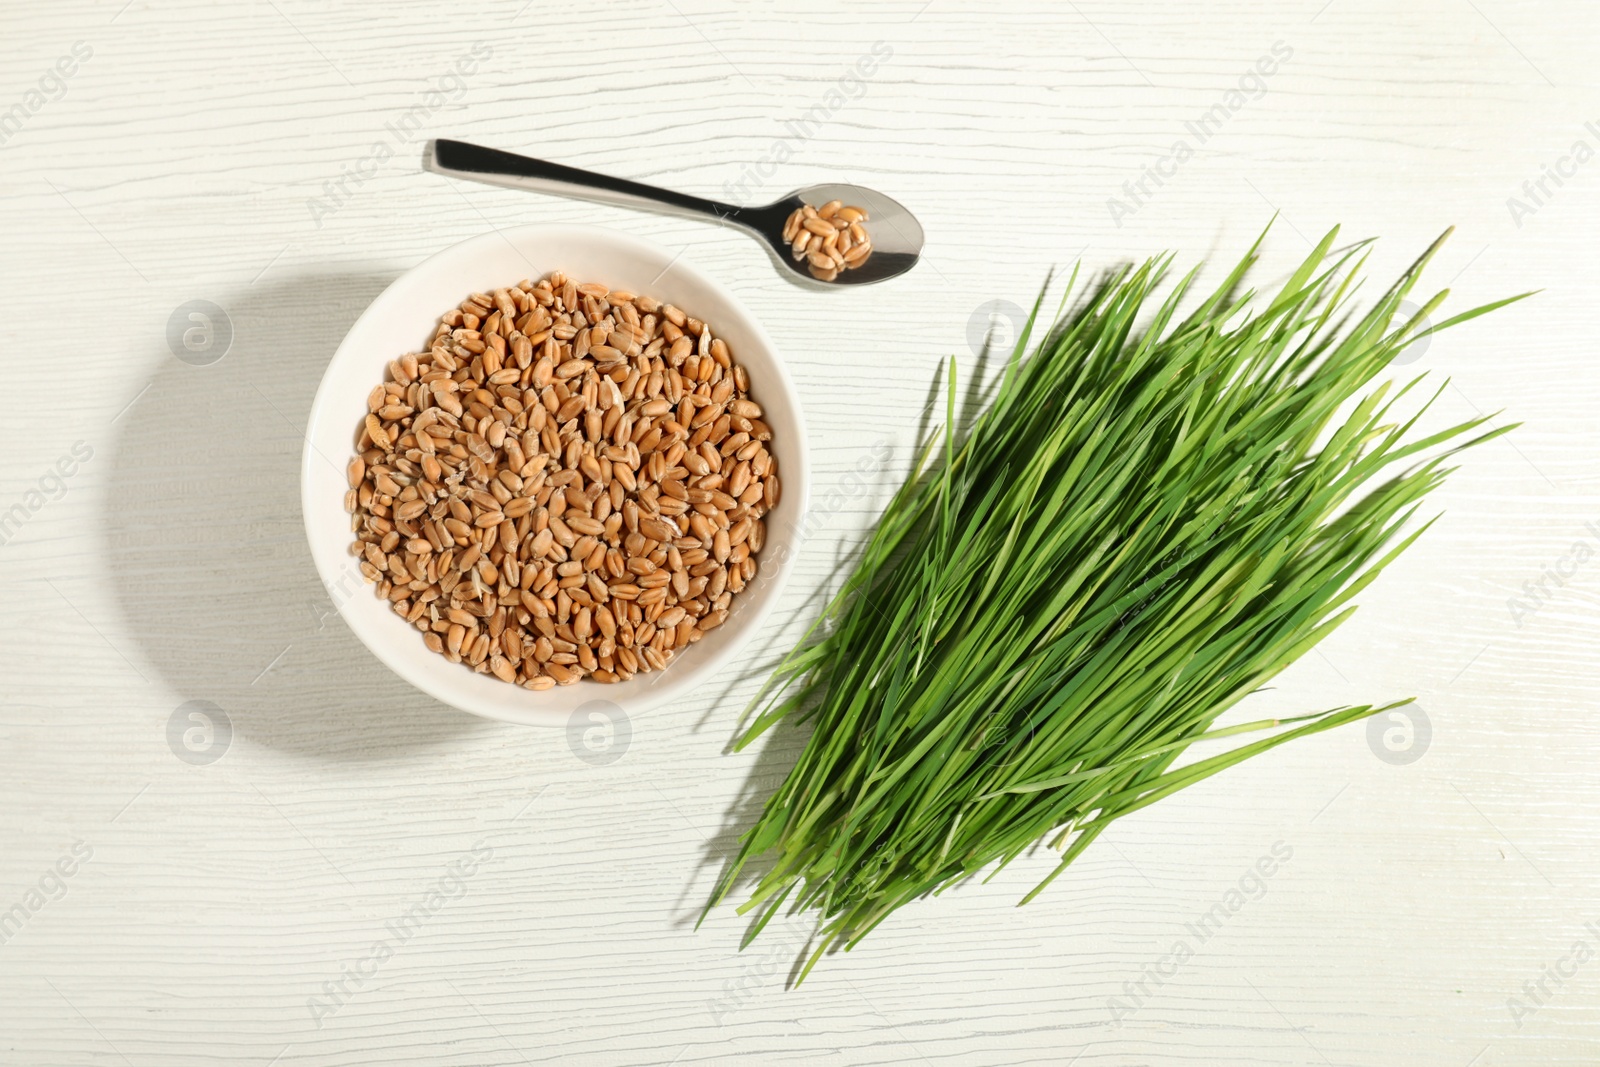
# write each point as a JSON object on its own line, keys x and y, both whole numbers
{"x": 1441, "y": 912}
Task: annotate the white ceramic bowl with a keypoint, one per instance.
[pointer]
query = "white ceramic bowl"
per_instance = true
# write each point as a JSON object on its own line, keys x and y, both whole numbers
{"x": 402, "y": 320}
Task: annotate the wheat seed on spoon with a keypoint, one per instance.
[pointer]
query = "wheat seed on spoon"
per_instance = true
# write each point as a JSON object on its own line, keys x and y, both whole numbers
{"x": 894, "y": 237}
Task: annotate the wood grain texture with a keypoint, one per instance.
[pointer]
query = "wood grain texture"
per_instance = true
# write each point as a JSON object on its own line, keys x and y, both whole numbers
{"x": 185, "y": 159}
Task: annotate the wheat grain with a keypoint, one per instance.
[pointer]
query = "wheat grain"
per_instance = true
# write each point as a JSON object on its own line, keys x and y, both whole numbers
{"x": 829, "y": 239}
{"x": 568, "y": 483}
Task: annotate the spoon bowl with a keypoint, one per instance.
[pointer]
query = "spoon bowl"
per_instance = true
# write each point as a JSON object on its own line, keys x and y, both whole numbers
{"x": 896, "y": 235}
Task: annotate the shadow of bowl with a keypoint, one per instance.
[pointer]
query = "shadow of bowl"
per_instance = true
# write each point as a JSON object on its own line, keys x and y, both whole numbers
{"x": 210, "y": 564}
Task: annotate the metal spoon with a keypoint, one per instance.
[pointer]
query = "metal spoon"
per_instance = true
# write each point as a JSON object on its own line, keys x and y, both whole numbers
{"x": 896, "y": 234}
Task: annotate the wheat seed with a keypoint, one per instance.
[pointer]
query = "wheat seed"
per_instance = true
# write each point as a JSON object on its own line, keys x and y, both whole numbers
{"x": 828, "y": 239}
{"x": 571, "y": 482}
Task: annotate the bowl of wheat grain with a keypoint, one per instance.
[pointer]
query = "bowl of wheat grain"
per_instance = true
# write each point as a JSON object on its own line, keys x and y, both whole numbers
{"x": 551, "y": 466}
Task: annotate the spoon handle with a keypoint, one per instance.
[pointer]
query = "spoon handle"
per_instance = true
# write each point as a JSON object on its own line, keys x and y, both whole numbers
{"x": 461, "y": 160}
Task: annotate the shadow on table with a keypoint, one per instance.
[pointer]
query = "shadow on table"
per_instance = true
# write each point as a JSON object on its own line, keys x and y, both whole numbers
{"x": 208, "y": 551}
